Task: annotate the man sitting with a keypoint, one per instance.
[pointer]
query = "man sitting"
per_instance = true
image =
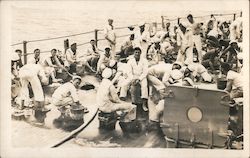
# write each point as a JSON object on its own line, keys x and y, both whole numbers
{"x": 234, "y": 81}
{"x": 52, "y": 65}
{"x": 104, "y": 60}
{"x": 138, "y": 70}
{"x": 108, "y": 99}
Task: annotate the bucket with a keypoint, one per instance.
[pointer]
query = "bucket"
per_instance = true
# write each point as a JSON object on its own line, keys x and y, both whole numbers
{"x": 221, "y": 83}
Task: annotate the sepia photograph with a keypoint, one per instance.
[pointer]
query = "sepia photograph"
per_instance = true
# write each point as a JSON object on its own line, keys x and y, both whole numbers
{"x": 124, "y": 78}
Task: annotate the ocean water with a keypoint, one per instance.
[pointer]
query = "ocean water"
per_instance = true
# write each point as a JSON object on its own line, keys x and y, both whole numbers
{"x": 33, "y": 20}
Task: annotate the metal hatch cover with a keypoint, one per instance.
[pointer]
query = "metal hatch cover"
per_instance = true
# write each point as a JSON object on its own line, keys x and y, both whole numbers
{"x": 195, "y": 116}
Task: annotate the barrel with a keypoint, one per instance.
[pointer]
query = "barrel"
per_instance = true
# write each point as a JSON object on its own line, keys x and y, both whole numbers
{"x": 221, "y": 83}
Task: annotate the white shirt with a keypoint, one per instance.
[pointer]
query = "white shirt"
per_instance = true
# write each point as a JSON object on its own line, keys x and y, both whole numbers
{"x": 109, "y": 32}
{"x": 105, "y": 94}
{"x": 31, "y": 70}
{"x": 70, "y": 56}
{"x": 66, "y": 90}
{"x": 236, "y": 77}
{"x": 138, "y": 70}
{"x": 160, "y": 69}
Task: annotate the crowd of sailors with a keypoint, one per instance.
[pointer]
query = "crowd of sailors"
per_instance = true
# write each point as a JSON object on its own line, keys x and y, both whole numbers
{"x": 149, "y": 60}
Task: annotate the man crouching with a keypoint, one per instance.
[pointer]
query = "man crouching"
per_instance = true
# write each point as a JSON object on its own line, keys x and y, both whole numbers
{"x": 66, "y": 99}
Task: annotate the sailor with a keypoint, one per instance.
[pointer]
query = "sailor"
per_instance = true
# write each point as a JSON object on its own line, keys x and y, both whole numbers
{"x": 234, "y": 81}
{"x": 185, "y": 41}
{"x": 198, "y": 70}
{"x": 211, "y": 57}
{"x": 52, "y": 65}
{"x": 84, "y": 59}
{"x": 142, "y": 38}
{"x": 236, "y": 29}
{"x": 104, "y": 60}
{"x": 110, "y": 36}
{"x": 93, "y": 54}
{"x": 66, "y": 94}
{"x": 34, "y": 74}
{"x": 196, "y": 30}
{"x": 127, "y": 46}
{"x": 108, "y": 99}
{"x": 229, "y": 55}
{"x": 158, "y": 75}
{"x": 37, "y": 58}
{"x": 70, "y": 62}
{"x": 154, "y": 52}
{"x": 138, "y": 70}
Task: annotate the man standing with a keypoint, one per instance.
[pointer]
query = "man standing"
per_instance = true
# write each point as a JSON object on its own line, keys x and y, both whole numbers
{"x": 34, "y": 74}
{"x": 110, "y": 36}
{"x": 138, "y": 70}
{"x": 185, "y": 41}
{"x": 196, "y": 30}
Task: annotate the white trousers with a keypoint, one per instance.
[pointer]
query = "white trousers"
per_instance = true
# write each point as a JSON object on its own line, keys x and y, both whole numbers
{"x": 126, "y": 84}
{"x": 35, "y": 85}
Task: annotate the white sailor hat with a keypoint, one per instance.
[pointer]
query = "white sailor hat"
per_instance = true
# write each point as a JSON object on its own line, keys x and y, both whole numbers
{"x": 14, "y": 57}
{"x": 107, "y": 47}
{"x": 187, "y": 82}
{"x": 76, "y": 77}
{"x": 177, "y": 63}
{"x": 176, "y": 74}
{"x": 191, "y": 67}
{"x": 112, "y": 63}
{"x": 107, "y": 73}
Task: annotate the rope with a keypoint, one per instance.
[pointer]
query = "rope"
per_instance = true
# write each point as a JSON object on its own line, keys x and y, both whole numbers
{"x": 75, "y": 132}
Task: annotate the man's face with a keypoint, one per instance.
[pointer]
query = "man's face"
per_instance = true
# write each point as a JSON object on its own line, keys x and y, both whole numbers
{"x": 19, "y": 53}
{"x": 77, "y": 83}
{"x": 137, "y": 55}
{"x": 73, "y": 48}
{"x": 132, "y": 37}
{"x": 37, "y": 53}
{"x": 110, "y": 22}
{"x": 92, "y": 43}
{"x": 190, "y": 19}
{"x": 234, "y": 45}
{"x": 53, "y": 53}
{"x": 107, "y": 52}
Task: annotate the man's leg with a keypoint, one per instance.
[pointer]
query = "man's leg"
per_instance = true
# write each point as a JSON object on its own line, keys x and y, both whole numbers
{"x": 124, "y": 88}
{"x": 197, "y": 41}
{"x": 189, "y": 56}
{"x": 144, "y": 93}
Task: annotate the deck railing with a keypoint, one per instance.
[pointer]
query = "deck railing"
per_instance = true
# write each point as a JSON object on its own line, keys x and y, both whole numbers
{"x": 96, "y": 32}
